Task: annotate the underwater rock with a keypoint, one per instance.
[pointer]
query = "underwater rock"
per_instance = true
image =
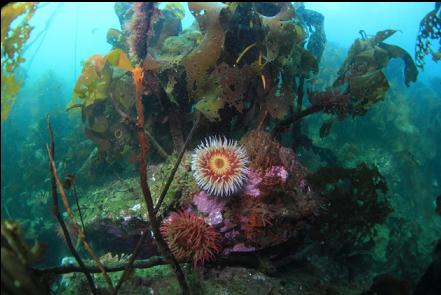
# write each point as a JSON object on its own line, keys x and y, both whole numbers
{"x": 124, "y": 11}
{"x": 429, "y": 283}
{"x": 178, "y": 45}
{"x": 277, "y": 172}
{"x": 244, "y": 281}
{"x": 240, "y": 247}
{"x": 273, "y": 207}
{"x": 121, "y": 236}
{"x": 388, "y": 285}
{"x": 167, "y": 25}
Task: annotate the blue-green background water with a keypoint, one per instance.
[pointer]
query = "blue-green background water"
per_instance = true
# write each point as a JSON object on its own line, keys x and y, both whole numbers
{"x": 400, "y": 135}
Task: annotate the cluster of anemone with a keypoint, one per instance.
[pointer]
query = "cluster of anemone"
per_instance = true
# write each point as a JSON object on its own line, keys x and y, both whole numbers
{"x": 190, "y": 238}
{"x": 219, "y": 166}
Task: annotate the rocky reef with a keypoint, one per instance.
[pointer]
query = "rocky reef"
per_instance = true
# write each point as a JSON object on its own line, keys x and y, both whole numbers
{"x": 284, "y": 196}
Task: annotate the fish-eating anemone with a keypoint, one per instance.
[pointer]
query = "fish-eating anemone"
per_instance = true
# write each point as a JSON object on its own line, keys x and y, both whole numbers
{"x": 220, "y": 166}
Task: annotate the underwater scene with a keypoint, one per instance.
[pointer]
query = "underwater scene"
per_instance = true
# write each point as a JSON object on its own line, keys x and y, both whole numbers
{"x": 221, "y": 148}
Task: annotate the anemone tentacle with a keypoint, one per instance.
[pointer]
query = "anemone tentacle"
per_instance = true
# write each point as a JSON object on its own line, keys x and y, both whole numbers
{"x": 220, "y": 166}
{"x": 190, "y": 238}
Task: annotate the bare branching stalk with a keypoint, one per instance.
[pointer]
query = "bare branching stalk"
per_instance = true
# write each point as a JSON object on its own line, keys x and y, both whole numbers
{"x": 129, "y": 265}
{"x": 75, "y": 196}
{"x": 74, "y": 222}
{"x": 162, "y": 245}
{"x": 175, "y": 168}
{"x": 156, "y": 144}
{"x": 145, "y": 263}
{"x": 129, "y": 120}
{"x": 286, "y": 123}
{"x": 56, "y": 211}
{"x": 163, "y": 193}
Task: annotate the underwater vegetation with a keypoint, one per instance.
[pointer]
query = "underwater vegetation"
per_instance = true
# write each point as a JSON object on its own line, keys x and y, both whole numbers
{"x": 13, "y": 40}
{"x": 17, "y": 257}
{"x": 211, "y": 159}
{"x": 430, "y": 30}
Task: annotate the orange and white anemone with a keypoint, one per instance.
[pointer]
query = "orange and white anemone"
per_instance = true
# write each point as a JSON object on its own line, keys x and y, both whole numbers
{"x": 220, "y": 166}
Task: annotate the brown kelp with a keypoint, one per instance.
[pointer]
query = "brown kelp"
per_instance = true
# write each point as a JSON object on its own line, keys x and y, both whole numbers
{"x": 430, "y": 30}
{"x": 13, "y": 40}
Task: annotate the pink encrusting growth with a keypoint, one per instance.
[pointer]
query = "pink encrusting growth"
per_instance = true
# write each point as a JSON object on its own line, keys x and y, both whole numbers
{"x": 210, "y": 206}
{"x": 251, "y": 187}
{"x": 276, "y": 175}
{"x": 278, "y": 172}
{"x": 240, "y": 247}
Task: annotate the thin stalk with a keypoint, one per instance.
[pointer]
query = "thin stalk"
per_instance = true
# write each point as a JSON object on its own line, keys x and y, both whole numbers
{"x": 75, "y": 196}
{"x": 284, "y": 124}
{"x": 129, "y": 265}
{"x": 81, "y": 234}
{"x": 175, "y": 168}
{"x": 56, "y": 212}
{"x": 162, "y": 245}
{"x": 156, "y": 144}
{"x": 145, "y": 263}
{"x": 126, "y": 118}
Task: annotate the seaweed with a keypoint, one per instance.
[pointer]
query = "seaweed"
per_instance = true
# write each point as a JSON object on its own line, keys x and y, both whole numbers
{"x": 17, "y": 260}
{"x": 209, "y": 106}
{"x": 117, "y": 39}
{"x": 280, "y": 32}
{"x": 154, "y": 224}
{"x": 233, "y": 82}
{"x": 363, "y": 67}
{"x": 410, "y": 69}
{"x": 355, "y": 200}
{"x": 361, "y": 82}
{"x": 200, "y": 59}
{"x": 315, "y": 24}
{"x": 104, "y": 84}
{"x": 56, "y": 182}
{"x": 13, "y": 40}
{"x": 430, "y": 29}
{"x": 278, "y": 101}
{"x": 96, "y": 76}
